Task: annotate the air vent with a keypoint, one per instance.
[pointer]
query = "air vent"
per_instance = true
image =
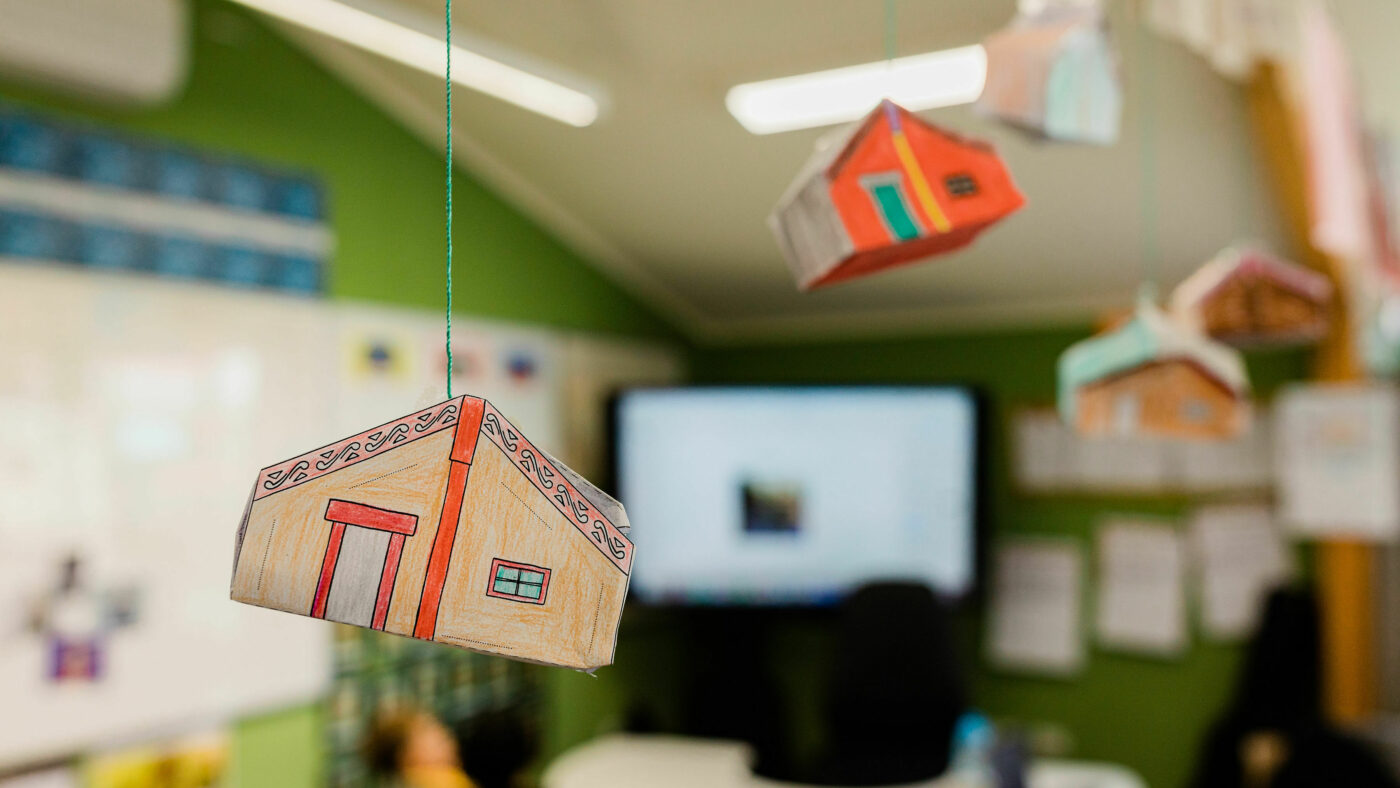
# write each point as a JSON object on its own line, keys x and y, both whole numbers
{"x": 122, "y": 51}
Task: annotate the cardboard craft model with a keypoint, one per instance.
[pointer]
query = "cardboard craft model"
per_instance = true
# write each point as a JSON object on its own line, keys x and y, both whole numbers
{"x": 1054, "y": 74}
{"x": 1151, "y": 377}
{"x": 1245, "y": 298}
{"x": 446, "y": 525}
{"x": 892, "y": 190}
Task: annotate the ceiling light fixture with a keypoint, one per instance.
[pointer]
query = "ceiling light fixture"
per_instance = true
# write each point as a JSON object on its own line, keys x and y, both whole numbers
{"x": 425, "y": 52}
{"x": 936, "y": 79}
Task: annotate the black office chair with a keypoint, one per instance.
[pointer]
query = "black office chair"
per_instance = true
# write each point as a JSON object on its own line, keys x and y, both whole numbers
{"x": 895, "y": 691}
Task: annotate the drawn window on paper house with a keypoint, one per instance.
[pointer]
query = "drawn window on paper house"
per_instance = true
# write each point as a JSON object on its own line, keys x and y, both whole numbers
{"x": 518, "y": 582}
{"x": 960, "y": 185}
{"x": 887, "y": 193}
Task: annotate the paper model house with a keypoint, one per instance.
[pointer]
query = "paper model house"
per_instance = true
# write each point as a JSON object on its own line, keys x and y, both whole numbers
{"x": 1246, "y": 298}
{"x": 1054, "y": 74}
{"x": 1152, "y": 377}
{"x": 446, "y": 525}
{"x": 892, "y": 190}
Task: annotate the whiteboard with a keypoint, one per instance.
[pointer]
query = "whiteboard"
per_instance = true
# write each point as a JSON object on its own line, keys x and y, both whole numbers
{"x": 135, "y": 413}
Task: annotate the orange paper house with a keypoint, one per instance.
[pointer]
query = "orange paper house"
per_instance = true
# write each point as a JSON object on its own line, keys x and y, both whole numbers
{"x": 446, "y": 525}
{"x": 892, "y": 191}
{"x": 1152, "y": 377}
{"x": 1246, "y": 298}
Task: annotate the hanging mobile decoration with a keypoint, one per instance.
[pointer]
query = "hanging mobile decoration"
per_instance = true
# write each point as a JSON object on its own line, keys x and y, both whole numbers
{"x": 1052, "y": 72}
{"x": 446, "y": 525}
{"x": 1152, "y": 376}
{"x": 1246, "y": 298}
{"x": 893, "y": 191}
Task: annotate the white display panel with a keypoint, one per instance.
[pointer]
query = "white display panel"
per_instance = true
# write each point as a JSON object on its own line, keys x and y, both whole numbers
{"x": 796, "y": 496}
{"x": 143, "y": 409}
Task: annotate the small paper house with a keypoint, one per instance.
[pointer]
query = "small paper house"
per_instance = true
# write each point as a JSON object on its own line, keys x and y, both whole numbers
{"x": 1246, "y": 298}
{"x": 446, "y": 525}
{"x": 1152, "y": 377}
{"x": 1054, "y": 73}
{"x": 891, "y": 191}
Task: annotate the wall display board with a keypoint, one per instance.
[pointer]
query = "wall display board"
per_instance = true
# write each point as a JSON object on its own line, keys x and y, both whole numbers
{"x": 1050, "y": 458}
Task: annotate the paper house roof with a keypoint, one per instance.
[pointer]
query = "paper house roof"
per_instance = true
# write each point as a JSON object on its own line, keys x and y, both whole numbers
{"x": 890, "y": 190}
{"x": 1237, "y": 263}
{"x": 1054, "y": 73}
{"x": 446, "y": 525}
{"x": 1150, "y": 336}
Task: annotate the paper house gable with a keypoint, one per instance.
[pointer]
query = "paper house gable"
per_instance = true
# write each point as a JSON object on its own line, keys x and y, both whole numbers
{"x": 1153, "y": 378}
{"x": 892, "y": 190}
{"x": 446, "y": 525}
{"x": 1246, "y": 298}
{"x": 1055, "y": 75}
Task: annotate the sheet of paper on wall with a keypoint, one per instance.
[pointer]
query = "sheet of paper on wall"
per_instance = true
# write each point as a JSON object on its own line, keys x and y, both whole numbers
{"x": 1241, "y": 556}
{"x": 1050, "y": 458}
{"x": 1122, "y": 465}
{"x": 446, "y": 525}
{"x": 1044, "y": 449}
{"x": 1035, "y": 626}
{"x": 1053, "y": 72}
{"x": 891, "y": 190}
{"x": 1152, "y": 377}
{"x": 1243, "y": 463}
{"x": 1141, "y": 588}
{"x": 1338, "y": 465}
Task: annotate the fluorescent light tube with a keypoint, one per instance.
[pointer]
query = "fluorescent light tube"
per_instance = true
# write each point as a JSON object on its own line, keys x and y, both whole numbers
{"x": 426, "y": 53}
{"x": 936, "y": 79}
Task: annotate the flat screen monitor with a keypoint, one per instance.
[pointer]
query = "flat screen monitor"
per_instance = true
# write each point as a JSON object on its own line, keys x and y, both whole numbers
{"x": 796, "y": 496}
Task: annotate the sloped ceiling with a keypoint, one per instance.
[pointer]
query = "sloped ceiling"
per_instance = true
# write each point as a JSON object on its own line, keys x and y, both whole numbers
{"x": 668, "y": 194}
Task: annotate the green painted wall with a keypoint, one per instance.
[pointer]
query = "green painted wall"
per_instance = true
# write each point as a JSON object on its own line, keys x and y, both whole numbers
{"x": 250, "y": 93}
{"x": 1148, "y": 714}
{"x": 280, "y": 750}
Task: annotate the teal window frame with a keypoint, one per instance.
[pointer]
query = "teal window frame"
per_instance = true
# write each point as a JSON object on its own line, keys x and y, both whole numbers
{"x": 518, "y": 582}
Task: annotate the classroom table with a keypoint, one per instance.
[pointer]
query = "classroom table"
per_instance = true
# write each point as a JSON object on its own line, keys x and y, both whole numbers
{"x": 651, "y": 761}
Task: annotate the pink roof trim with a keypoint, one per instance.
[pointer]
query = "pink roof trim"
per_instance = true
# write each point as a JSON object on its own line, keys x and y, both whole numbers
{"x": 1308, "y": 284}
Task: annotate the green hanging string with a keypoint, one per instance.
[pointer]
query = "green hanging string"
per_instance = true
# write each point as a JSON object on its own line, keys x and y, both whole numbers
{"x": 449, "y": 199}
{"x": 890, "y": 28}
{"x": 1147, "y": 93}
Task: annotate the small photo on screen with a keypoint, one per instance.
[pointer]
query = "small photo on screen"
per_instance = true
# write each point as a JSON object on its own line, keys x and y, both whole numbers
{"x": 772, "y": 507}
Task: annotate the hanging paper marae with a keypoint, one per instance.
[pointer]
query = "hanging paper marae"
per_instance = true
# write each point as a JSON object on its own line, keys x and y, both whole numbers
{"x": 1151, "y": 377}
{"x": 1246, "y": 298}
{"x": 892, "y": 190}
{"x": 1053, "y": 72}
{"x": 446, "y": 525}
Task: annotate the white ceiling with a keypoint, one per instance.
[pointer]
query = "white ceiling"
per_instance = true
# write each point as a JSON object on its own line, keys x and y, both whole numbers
{"x": 668, "y": 194}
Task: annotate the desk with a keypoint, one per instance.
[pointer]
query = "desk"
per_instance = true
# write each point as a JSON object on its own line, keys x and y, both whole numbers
{"x": 634, "y": 761}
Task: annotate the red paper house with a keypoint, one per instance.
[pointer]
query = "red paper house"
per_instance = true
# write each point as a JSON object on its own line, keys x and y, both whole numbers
{"x": 893, "y": 191}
